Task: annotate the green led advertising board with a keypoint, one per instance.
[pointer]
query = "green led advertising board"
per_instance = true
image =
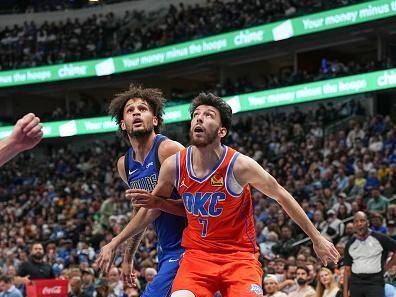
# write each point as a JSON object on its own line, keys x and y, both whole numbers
{"x": 337, "y": 87}
{"x": 327, "y": 20}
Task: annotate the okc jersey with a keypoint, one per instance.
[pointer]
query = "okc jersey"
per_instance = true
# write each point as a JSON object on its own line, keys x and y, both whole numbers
{"x": 144, "y": 176}
{"x": 219, "y": 211}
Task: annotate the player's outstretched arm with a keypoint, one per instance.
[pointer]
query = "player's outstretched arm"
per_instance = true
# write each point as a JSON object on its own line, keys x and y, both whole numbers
{"x": 135, "y": 226}
{"x": 158, "y": 198}
{"x": 248, "y": 171}
{"x": 26, "y": 134}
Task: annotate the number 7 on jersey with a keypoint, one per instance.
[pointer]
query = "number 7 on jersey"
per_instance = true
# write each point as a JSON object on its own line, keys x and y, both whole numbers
{"x": 204, "y": 223}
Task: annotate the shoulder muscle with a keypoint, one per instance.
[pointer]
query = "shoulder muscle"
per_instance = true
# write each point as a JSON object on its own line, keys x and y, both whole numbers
{"x": 168, "y": 148}
{"x": 121, "y": 169}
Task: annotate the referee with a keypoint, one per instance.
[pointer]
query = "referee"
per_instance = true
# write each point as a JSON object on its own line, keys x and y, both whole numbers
{"x": 365, "y": 256}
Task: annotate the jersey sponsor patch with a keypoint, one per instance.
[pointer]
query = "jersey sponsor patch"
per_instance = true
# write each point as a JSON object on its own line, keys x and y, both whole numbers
{"x": 217, "y": 180}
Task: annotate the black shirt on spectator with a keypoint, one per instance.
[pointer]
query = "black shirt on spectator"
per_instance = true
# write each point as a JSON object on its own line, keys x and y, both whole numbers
{"x": 35, "y": 270}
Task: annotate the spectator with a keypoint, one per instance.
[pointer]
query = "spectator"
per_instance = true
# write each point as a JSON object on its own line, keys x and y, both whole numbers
{"x": 342, "y": 197}
{"x": 102, "y": 288}
{"x": 327, "y": 285}
{"x": 75, "y": 287}
{"x": 115, "y": 282}
{"x": 303, "y": 289}
{"x": 377, "y": 223}
{"x": 87, "y": 281}
{"x": 7, "y": 288}
{"x": 334, "y": 227}
{"x": 149, "y": 274}
{"x": 35, "y": 267}
{"x": 289, "y": 284}
{"x": 285, "y": 247}
{"x": 271, "y": 286}
{"x": 377, "y": 202}
{"x": 349, "y": 230}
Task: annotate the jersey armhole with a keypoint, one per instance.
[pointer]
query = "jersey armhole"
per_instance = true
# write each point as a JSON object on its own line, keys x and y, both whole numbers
{"x": 156, "y": 149}
{"x": 232, "y": 186}
{"x": 177, "y": 180}
{"x": 126, "y": 164}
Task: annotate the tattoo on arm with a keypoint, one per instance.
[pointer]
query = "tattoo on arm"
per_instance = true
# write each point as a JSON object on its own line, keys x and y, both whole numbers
{"x": 132, "y": 246}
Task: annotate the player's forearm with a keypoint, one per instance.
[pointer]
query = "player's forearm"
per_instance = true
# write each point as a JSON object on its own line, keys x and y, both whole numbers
{"x": 172, "y": 206}
{"x": 7, "y": 151}
{"x": 136, "y": 225}
{"x": 132, "y": 246}
{"x": 294, "y": 210}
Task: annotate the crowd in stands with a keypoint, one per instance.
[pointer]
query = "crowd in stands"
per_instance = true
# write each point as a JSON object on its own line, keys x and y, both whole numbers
{"x": 90, "y": 107}
{"x": 72, "y": 201}
{"x": 32, "y": 6}
{"x": 100, "y": 35}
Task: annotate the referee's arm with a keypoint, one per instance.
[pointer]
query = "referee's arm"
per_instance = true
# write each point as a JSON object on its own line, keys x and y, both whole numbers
{"x": 389, "y": 245}
{"x": 347, "y": 270}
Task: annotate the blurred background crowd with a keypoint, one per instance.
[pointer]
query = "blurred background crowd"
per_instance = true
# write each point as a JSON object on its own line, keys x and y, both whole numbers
{"x": 105, "y": 35}
{"x": 72, "y": 202}
{"x": 61, "y": 203}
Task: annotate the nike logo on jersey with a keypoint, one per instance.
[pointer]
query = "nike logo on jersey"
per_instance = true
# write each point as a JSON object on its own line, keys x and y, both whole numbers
{"x": 203, "y": 204}
{"x": 173, "y": 260}
{"x": 132, "y": 172}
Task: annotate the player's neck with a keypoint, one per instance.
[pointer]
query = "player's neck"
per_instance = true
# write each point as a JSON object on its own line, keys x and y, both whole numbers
{"x": 205, "y": 158}
{"x": 142, "y": 146}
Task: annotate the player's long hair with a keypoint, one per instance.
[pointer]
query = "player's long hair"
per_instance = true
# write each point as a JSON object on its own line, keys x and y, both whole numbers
{"x": 218, "y": 103}
{"x": 154, "y": 98}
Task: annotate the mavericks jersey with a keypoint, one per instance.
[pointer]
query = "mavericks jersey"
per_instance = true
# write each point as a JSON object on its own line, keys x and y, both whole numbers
{"x": 218, "y": 209}
{"x": 169, "y": 228}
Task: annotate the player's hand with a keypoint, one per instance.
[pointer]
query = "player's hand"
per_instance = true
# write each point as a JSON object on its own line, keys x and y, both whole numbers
{"x": 325, "y": 250}
{"x": 106, "y": 257}
{"x": 142, "y": 198}
{"x": 127, "y": 275}
{"x": 27, "y": 133}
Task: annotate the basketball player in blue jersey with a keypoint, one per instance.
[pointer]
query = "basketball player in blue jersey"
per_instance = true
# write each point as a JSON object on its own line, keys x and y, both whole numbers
{"x": 138, "y": 113}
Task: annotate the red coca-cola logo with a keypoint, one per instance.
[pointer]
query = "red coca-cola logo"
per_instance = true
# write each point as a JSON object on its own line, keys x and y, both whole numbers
{"x": 52, "y": 290}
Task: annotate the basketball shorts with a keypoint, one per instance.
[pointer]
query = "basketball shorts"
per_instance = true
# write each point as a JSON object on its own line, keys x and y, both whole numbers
{"x": 237, "y": 274}
{"x": 162, "y": 282}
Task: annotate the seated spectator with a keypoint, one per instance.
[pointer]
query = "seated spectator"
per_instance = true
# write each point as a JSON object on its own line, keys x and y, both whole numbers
{"x": 377, "y": 202}
{"x": 7, "y": 287}
{"x": 271, "y": 285}
{"x": 334, "y": 227}
{"x": 342, "y": 200}
{"x": 377, "y": 223}
{"x": 327, "y": 285}
{"x": 303, "y": 289}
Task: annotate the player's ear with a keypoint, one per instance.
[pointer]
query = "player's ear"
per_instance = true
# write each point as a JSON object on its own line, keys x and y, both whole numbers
{"x": 155, "y": 121}
{"x": 222, "y": 132}
{"x": 123, "y": 127}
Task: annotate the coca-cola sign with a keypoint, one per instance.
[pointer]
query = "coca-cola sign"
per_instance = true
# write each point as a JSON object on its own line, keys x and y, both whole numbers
{"x": 52, "y": 290}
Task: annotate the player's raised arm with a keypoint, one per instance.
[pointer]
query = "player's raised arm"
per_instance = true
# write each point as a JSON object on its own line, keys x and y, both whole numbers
{"x": 26, "y": 134}
{"x": 158, "y": 198}
{"x": 248, "y": 171}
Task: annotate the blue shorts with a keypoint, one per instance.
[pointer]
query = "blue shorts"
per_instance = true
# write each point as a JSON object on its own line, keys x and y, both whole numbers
{"x": 162, "y": 283}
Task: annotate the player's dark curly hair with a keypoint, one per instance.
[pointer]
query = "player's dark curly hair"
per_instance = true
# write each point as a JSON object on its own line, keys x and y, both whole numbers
{"x": 154, "y": 98}
{"x": 217, "y": 102}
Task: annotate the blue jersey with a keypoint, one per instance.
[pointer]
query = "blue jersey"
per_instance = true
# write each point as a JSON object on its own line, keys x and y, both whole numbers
{"x": 169, "y": 228}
